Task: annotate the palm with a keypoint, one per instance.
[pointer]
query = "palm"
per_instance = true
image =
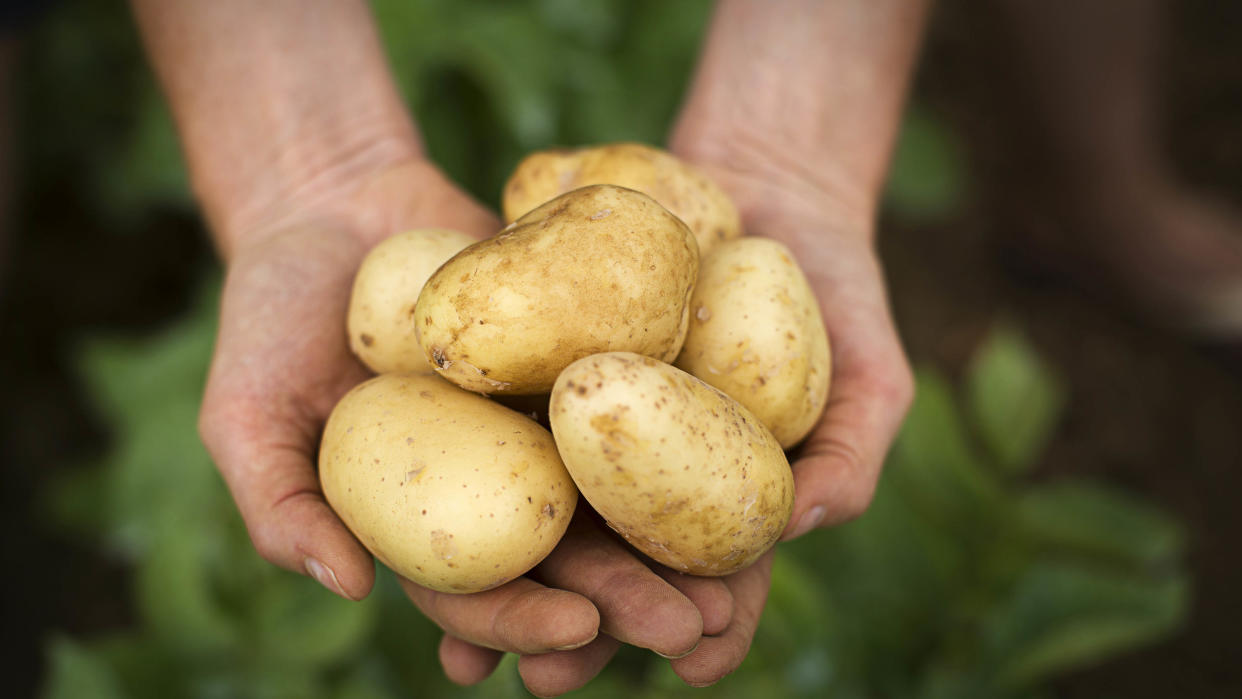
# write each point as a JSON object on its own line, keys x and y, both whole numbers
{"x": 282, "y": 361}
{"x": 837, "y": 466}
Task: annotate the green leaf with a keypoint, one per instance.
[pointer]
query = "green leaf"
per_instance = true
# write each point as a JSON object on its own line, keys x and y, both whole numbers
{"x": 1014, "y": 398}
{"x": 941, "y": 473}
{"x": 151, "y": 171}
{"x": 1061, "y": 617}
{"x": 76, "y": 672}
{"x": 797, "y": 612}
{"x": 927, "y": 180}
{"x": 175, "y": 594}
{"x": 1099, "y": 522}
{"x": 298, "y": 621}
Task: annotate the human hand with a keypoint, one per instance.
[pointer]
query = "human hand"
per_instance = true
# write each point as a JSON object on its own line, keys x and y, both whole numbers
{"x": 282, "y": 362}
{"x": 837, "y": 466}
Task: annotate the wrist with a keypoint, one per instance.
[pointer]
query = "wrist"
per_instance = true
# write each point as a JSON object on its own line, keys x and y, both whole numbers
{"x": 300, "y": 178}
{"x": 773, "y": 186}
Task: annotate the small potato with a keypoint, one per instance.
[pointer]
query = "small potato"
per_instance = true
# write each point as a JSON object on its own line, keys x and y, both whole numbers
{"x": 600, "y": 268}
{"x": 680, "y": 188}
{"x": 386, "y": 287}
{"x": 756, "y": 333}
{"x": 447, "y": 488}
{"x": 679, "y": 469}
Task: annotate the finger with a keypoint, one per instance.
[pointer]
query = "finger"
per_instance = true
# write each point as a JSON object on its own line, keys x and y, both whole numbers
{"x": 465, "y": 663}
{"x": 837, "y": 468}
{"x": 552, "y": 674}
{"x": 520, "y": 616}
{"x": 278, "y": 495}
{"x": 710, "y": 595}
{"x": 261, "y": 417}
{"x": 635, "y": 605}
{"x": 719, "y": 655}
{"x": 439, "y": 204}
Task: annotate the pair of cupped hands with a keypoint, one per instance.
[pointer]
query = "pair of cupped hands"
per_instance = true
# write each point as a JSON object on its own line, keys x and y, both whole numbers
{"x": 282, "y": 361}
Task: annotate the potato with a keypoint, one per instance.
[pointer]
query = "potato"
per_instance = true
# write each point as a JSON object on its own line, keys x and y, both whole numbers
{"x": 600, "y": 268}
{"x": 386, "y": 287}
{"x": 680, "y": 188}
{"x": 680, "y": 470}
{"x": 447, "y": 488}
{"x": 756, "y": 333}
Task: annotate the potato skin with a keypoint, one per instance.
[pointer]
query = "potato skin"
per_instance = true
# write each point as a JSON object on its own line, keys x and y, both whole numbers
{"x": 386, "y": 287}
{"x": 600, "y": 268}
{"x": 683, "y": 472}
{"x": 677, "y": 186}
{"x": 447, "y": 488}
{"x": 756, "y": 333}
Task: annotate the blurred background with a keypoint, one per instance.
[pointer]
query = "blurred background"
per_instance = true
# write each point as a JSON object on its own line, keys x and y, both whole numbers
{"x": 1057, "y": 518}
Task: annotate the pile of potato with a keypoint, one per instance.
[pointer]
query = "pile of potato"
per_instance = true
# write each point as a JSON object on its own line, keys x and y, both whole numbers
{"x": 677, "y": 360}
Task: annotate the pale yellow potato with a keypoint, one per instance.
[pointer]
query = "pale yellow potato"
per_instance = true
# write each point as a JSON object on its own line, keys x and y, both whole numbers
{"x": 683, "y": 472}
{"x": 756, "y": 333}
{"x": 386, "y": 287}
{"x": 680, "y": 188}
{"x": 600, "y": 268}
{"x": 447, "y": 488}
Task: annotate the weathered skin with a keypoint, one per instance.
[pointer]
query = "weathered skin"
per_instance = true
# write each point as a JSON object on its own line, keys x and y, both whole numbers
{"x": 447, "y": 488}
{"x": 683, "y": 472}
{"x": 386, "y": 287}
{"x": 601, "y": 268}
{"x": 756, "y": 333}
{"x": 680, "y": 188}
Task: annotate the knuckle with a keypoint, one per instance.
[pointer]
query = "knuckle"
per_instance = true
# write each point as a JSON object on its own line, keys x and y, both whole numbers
{"x": 267, "y": 542}
{"x": 209, "y": 419}
{"x": 891, "y": 380}
{"x": 859, "y": 479}
{"x": 901, "y": 393}
{"x": 856, "y": 500}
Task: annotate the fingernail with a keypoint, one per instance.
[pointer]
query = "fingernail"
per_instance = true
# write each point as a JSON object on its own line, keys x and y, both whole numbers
{"x": 325, "y": 576}
{"x": 675, "y": 657}
{"x": 809, "y": 521}
{"x": 572, "y": 646}
{"x": 578, "y": 644}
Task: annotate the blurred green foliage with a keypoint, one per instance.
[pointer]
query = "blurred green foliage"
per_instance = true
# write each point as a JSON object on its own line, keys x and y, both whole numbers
{"x": 966, "y": 578}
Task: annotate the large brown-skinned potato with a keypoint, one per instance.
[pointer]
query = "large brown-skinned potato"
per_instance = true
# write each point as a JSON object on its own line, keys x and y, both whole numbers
{"x": 598, "y": 269}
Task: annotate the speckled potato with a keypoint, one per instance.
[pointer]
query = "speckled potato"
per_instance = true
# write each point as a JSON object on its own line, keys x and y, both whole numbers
{"x": 756, "y": 333}
{"x": 447, "y": 488}
{"x": 680, "y": 188}
{"x": 598, "y": 269}
{"x": 683, "y": 472}
{"x": 386, "y": 287}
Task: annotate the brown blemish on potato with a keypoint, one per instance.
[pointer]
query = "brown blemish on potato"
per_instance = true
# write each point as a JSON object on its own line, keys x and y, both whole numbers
{"x": 366, "y": 340}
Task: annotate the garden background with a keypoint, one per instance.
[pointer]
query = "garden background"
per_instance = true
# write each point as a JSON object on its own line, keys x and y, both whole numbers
{"x": 1057, "y": 518}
